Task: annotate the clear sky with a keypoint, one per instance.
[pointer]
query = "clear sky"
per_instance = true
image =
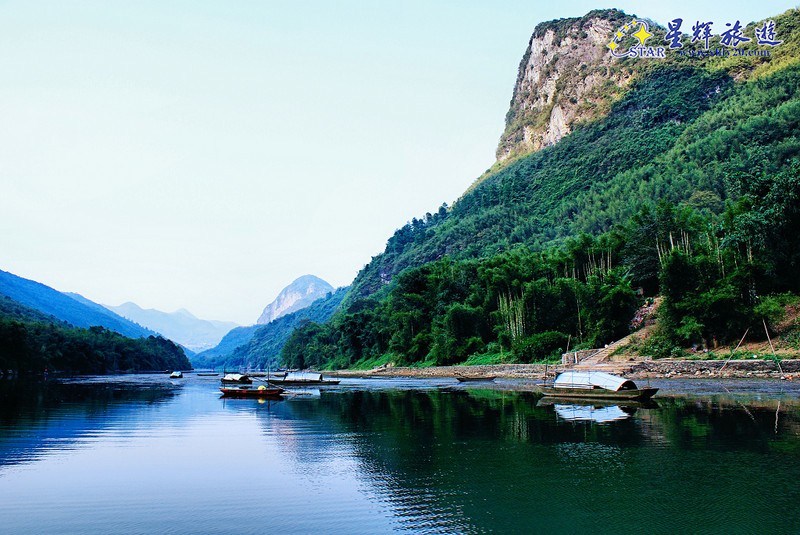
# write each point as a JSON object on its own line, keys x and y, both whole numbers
{"x": 205, "y": 154}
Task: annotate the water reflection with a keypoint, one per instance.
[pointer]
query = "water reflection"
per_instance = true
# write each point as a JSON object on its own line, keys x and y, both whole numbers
{"x": 374, "y": 457}
{"x": 590, "y": 413}
{"x": 40, "y": 416}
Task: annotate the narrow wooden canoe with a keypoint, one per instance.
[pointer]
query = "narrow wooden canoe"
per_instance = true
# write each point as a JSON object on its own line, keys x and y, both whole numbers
{"x": 637, "y": 394}
{"x": 464, "y": 379}
{"x": 260, "y": 392}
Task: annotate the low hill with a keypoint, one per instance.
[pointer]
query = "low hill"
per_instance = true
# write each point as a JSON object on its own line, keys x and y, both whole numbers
{"x": 75, "y": 310}
{"x": 34, "y": 342}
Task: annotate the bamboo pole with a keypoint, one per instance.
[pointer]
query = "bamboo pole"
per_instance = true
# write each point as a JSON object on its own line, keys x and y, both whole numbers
{"x": 734, "y": 350}
{"x": 771, "y": 346}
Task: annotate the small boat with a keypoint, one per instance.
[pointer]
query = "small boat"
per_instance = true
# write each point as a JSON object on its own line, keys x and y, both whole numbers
{"x": 236, "y": 379}
{"x": 596, "y": 385}
{"x": 176, "y": 375}
{"x": 204, "y": 374}
{"x": 247, "y": 392}
{"x": 302, "y": 379}
{"x": 472, "y": 379}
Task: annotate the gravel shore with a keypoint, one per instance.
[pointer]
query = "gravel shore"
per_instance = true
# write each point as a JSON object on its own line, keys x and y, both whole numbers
{"x": 666, "y": 368}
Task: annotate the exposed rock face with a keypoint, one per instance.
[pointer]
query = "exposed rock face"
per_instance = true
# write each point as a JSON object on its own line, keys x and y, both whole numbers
{"x": 566, "y": 76}
{"x": 298, "y": 295}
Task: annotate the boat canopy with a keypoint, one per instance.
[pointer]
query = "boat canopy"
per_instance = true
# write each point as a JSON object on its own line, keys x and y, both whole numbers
{"x": 234, "y": 377}
{"x": 589, "y": 379}
{"x": 303, "y": 376}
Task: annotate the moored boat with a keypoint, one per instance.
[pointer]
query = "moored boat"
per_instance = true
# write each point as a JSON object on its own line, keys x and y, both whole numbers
{"x": 176, "y": 375}
{"x": 596, "y": 385}
{"x": 302, "y": 379}
{"x": 473, "y": 379}
{"x": 236, "y": 379}
{"x": 247, "y": 392}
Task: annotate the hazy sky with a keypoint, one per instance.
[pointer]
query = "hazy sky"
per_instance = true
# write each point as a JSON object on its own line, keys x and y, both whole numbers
{"x": 205, "y": 154}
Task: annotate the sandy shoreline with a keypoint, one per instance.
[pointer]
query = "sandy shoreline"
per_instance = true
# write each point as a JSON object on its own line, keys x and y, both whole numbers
{"x": 665, "y": 368}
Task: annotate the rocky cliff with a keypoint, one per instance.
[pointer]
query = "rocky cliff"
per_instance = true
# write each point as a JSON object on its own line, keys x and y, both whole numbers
{"x": 566, "y": 76}
{"x": 299, "y": 294}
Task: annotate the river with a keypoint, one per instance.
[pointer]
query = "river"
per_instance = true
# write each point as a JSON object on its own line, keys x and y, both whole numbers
{"x": 146, "y": 454}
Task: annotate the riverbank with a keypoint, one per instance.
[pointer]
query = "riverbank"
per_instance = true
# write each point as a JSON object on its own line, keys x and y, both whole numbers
{"x": 638, "y": 369}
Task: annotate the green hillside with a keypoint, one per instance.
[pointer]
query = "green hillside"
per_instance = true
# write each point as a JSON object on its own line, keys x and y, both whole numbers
{"x": 72, "y": 308}
{"x": 33, "y": 342}
{"x": 211, "y": 358}
{"x": 259, "y": 346}
{"x": 687, "y": 188}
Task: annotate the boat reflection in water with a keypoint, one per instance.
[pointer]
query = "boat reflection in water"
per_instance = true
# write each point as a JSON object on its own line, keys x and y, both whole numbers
{"x": 597, "y": 411}
{"x": 591, "y": 413}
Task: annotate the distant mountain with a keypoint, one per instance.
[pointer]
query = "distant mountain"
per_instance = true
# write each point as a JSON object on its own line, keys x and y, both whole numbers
{"x": 74, "y": 309}
{"x": 259, "y": 345}
{"x": 180, "y": 326}
{"x": 299, "y": 294}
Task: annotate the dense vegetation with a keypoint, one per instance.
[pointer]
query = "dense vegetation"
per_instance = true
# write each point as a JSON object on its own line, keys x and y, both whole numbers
{"x": 688, "y": 188}
{"x": 33, "y": 342}
{"x": 681, "y": 131}
{"x": 719, "y": 275}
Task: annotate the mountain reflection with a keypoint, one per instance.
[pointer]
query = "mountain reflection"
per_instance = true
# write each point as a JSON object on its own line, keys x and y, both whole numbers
{"x": 437, "y": 456}
{"x": 372, "y": 458}
{"x": 38, "y": 416}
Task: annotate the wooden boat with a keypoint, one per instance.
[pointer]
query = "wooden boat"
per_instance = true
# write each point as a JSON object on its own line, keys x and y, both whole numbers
{"x": 247, "y": 392}
{"x": 466, "y": 379}
{"x": 236, "y": 379}
{"x": 302, "y": 379}
{"x": 596, "y": 385}
{"x": 176, "y": 375}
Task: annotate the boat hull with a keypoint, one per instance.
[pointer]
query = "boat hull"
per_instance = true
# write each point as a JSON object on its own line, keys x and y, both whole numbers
{"x": 462, "y": 379}
{"x": 639, "y": 394}
{"x": 303, "y": 383}
{"x": 273, "y": 392}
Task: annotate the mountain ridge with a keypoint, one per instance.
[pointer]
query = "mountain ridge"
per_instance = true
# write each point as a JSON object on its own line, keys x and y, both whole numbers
{"x": 180, "y": 326}
{"x": 297, "y": 295}
{"x": 74, "y": 309}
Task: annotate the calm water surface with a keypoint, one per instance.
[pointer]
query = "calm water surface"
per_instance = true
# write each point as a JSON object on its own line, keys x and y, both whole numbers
{"x": 143, "y": 454}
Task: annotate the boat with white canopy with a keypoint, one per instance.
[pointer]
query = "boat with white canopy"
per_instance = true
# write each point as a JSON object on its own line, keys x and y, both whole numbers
{"x": 596, "y": 385}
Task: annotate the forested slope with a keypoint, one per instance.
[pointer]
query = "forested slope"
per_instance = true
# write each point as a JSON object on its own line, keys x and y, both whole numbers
{"x": 688, "y": 188}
